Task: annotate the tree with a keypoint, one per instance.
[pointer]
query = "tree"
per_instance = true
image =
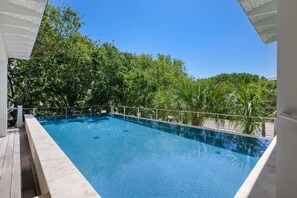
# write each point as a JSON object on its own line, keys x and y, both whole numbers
{"x": 68, "y": 68}
{"x": 53, "y": 76}
{"x": 248, "y": 100}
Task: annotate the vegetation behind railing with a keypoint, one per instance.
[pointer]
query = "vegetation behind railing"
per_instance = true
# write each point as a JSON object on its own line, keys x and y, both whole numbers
{"x": 56, "y": 111}
{"x": 259, "y": 126}
{"x": 78, "y": 71}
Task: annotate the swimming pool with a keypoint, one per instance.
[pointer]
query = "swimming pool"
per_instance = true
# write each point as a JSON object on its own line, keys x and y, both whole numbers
{"x": 143, "y": 158}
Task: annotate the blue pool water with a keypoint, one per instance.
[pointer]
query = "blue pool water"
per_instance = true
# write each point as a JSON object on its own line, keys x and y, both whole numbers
{"x": 123, "y": 158}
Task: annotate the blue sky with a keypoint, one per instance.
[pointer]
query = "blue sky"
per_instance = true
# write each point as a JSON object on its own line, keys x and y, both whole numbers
{"x": 210, "y": 36}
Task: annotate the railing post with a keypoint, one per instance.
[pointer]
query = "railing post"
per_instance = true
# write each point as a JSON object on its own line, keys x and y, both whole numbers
{"x": 34, "y": 111}
{"x": 20, "y": 116}
{"x": 274, "y": 127}
{"x": 138, "y": 113}
{"x": 218, "y": 124}
{"x": 66, "y": 112}
{"x": 124, "y": 112}
{"x": 263, "y": 128}
{"x": 156, "y": 114}
{"x": 111, "y": 108}
{"x": 182, "y": 117}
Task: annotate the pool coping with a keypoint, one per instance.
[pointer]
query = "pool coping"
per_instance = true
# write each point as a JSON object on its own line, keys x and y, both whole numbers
{"x": 57, "y": 175}
{"x": 261, "y": 181}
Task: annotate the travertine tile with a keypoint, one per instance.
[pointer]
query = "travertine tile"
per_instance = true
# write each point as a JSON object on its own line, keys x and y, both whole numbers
{"x": 56, "y": 173}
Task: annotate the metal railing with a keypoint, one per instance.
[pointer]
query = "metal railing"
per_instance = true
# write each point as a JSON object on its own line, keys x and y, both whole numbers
{"x": 261, "y": 126}
{"x": 56, "y": 111}
{"x": 63, "y": 111}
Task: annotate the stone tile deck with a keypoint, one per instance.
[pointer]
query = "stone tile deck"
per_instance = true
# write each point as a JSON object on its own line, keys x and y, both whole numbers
{"x": 17, "y": 174}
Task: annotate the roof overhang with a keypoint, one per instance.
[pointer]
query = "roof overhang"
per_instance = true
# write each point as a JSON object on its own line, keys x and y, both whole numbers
{"x": 19, "y": 25}
{"x": 263, "y": 15}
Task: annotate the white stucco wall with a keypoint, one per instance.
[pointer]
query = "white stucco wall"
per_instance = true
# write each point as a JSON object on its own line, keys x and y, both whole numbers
{"x": 287, "y": 99}
{"x": 3, "y": 88}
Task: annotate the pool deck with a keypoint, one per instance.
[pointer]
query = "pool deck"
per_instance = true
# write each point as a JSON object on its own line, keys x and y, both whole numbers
{"x": 17, "y": 173}
{"x": 10, "y": 167}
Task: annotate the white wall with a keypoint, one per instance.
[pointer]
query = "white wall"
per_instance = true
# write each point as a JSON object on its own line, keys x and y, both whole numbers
{"x": 287, "y": 99}
{"x": 3, "y": 88}
{"x": 3, "y": 98}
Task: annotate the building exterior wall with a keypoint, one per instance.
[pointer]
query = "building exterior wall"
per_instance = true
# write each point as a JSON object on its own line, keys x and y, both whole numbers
{"x": 3, "y": 88}
{"x": 287, "y": 99}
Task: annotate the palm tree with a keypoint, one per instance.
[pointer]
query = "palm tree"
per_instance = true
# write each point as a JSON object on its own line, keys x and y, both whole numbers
{"x": 218, "y": 101}
{"x": 191, "y": 96}
{"x": 248, "y": 103}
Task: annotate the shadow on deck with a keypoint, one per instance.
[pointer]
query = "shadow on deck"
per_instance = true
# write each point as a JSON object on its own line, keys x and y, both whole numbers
{"x": 17, "y": 172}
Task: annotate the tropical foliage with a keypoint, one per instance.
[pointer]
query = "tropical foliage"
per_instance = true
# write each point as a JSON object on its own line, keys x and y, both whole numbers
{"x": 68, "y": 68}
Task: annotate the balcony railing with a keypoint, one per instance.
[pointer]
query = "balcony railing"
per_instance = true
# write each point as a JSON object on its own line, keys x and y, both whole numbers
{"x": 262, "y": 126}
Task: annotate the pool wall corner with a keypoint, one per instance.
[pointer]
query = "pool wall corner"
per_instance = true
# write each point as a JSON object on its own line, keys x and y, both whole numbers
{"x": 56, "y": 174}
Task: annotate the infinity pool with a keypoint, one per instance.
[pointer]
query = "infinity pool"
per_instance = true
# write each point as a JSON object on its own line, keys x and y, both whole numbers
{"x": 123, "y": 158}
